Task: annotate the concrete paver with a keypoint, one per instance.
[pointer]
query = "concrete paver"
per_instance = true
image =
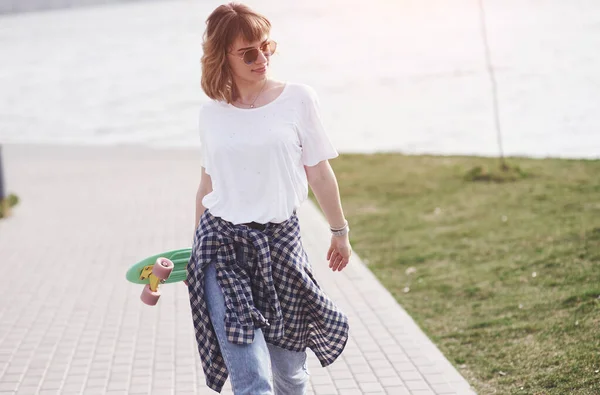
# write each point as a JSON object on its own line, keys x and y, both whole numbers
{"x": 71, "y": 323}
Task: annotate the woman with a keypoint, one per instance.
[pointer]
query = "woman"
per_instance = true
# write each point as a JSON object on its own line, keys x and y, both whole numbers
{"x": 253, "y": 296}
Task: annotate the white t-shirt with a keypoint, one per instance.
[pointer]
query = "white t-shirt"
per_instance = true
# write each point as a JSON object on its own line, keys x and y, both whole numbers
{"x": 256, "y": 157}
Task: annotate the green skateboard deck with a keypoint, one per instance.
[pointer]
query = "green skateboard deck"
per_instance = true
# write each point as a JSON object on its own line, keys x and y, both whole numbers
{"x": 139, "y": 273}
{"x": 172, "y": 267}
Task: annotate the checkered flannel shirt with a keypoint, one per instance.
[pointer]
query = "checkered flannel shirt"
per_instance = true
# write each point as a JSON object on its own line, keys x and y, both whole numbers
{"x": 273, "y": 289}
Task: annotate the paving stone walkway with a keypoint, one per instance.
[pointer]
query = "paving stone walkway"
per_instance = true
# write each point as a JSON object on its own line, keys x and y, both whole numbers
{"x": 71, "y": 324}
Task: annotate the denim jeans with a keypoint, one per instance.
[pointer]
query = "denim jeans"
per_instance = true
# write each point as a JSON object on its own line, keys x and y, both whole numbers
{"x": 249, "y": 369}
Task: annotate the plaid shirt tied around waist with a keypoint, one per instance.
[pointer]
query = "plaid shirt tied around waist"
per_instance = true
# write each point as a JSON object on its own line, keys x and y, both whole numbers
{"x": 267, "y": 283}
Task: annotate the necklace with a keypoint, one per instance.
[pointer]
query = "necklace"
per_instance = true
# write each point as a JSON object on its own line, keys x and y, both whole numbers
{"x": 252, "y": 105}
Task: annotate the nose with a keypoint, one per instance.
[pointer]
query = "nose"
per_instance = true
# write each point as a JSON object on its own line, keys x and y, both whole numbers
{"x": 261, "y": 59}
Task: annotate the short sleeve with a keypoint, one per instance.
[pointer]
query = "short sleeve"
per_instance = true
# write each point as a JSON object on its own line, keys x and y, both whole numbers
{"x": 203, "y": 146}
{"x": 316, "y": 145}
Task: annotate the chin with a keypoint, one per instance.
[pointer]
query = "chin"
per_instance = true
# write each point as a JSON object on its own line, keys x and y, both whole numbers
{"x": 260, "y": 76}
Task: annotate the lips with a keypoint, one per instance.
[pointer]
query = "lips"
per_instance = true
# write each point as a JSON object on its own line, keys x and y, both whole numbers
{"x": 261, "y": 70}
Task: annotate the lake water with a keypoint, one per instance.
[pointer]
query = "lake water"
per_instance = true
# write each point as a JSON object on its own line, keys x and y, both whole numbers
{"x": 407, "y": 76}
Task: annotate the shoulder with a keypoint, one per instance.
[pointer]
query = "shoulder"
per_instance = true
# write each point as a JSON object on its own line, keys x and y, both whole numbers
{"x": 208, "y": 106}
{"x": 302, "y": 91}
{"x": 209, "y": 110}
{"x": 208, "y": 115}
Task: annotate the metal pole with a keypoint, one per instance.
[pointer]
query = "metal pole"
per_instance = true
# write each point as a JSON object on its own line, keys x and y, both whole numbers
{"x": 490, "y": 69}
{"x": 2, "y": 190}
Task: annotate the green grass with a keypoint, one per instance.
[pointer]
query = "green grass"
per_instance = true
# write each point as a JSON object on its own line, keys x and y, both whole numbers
{"x": 10, "y": 201}
{"x": 507, "y": 279}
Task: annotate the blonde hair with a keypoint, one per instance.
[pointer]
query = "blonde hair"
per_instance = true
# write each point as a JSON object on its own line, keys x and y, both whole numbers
{"x": 223, "y": 26}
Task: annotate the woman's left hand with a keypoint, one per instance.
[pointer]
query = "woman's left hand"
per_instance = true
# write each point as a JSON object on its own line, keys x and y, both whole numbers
{"x": 339, "y": 252}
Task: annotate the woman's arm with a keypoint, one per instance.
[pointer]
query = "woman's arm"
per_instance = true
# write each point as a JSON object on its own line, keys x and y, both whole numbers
{"x": 204, "y": 189}
{"x": 323, "y": 183}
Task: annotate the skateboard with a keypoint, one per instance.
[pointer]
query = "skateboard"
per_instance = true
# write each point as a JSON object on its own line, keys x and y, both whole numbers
{"x": 165, "y": 268}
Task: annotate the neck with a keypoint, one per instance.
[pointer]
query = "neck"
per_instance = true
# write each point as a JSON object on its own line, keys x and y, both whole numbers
{"x": 247, "y": 90}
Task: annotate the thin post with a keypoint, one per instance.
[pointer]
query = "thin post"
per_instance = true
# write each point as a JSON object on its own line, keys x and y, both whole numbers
{"x": 2, "y": 190}
{"x": 490, "y": 69}
{"x": 3, "y": 198}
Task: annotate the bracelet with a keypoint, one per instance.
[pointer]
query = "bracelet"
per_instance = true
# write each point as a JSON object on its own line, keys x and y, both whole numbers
{"x": 345, "y": 224}
{"x": 341, "y": 231}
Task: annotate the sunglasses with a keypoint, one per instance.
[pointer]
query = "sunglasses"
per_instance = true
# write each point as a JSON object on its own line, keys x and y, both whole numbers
{"x": 249, "y": 56}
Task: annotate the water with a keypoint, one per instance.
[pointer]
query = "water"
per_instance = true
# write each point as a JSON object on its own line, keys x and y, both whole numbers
{"x": 18, "y": 6}
{"x": 407, "y": 76}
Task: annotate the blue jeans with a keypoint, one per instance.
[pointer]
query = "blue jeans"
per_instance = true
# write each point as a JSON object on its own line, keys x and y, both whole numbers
{"x": 248, "y": 364}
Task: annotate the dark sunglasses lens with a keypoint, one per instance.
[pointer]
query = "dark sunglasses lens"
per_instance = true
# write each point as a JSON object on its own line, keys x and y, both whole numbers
{"x": 269, "y": 48}
{"x": 250, "y": 56}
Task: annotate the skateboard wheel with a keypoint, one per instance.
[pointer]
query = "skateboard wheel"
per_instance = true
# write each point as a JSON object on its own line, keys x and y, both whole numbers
{"x": 149, "y": 297}
{"x": 162, "y": 268}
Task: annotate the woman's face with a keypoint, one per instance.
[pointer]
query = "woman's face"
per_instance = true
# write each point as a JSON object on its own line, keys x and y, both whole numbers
{"x": 249, "y": 61}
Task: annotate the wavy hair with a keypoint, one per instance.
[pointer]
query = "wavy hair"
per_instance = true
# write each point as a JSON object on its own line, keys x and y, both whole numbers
{"x": 223, "y": 26}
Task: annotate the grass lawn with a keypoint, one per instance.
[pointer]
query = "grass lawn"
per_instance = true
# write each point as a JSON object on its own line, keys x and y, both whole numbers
{"x": 504, "y": 276}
